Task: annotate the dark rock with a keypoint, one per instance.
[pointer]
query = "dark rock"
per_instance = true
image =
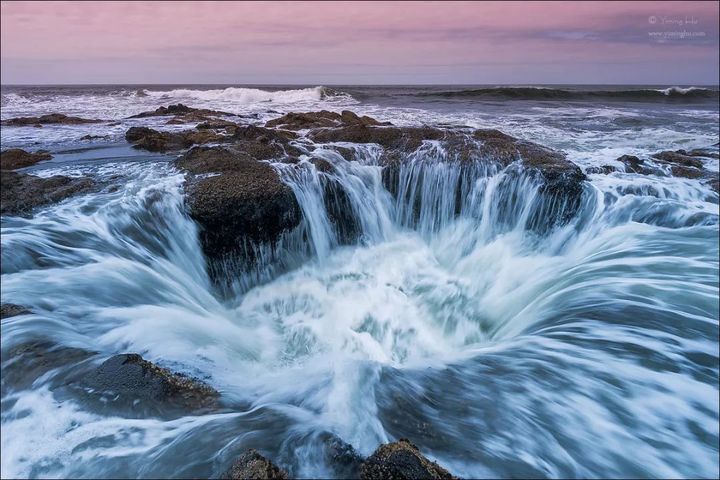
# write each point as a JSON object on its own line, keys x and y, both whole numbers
{"x": 703, "y": 152}
{"x": 322, "y": 165}
{"x": 261, "y": 134}
{"x": 128, "y": 378}
{"x": 561, "y": 180}
{"x": 176, "y": 121}
{"x": 52, "y": 118}
{"x": 263, "y": 143}
{"x": 403, "y": 138}
{"x": 152, "y": 140}
{"x": 401, "y": 460}
{"x": 92, "y": 137}
{"x": 15, "y": 158}
{"x": 679, "y": 158}
{"x": 687, "y": 172}
{"x": 680, "y": 163}
{"x": 155, "y": 141}
{"x": 604, "y": 169}
{"x": 25, "y": 363}
{"x": 714, "y": 184}
{"x": 20, "y": 193}
{"x": 321, "y": 119}
{"x": 253, "y": 466}
{"x": 246, "y": 201}
{"x": 179, "y": 109}
{"x": 633, "y": 164}
{"x": 216, "y": 124}
{"x": 8, "y": 310}
{"x": 343, "y": 458}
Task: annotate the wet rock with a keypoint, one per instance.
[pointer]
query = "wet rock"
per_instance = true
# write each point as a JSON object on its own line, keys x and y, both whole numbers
{"x": 680, "y": 163}
{"x": 343, "y": 458}
{"x": 603, "y": 169}
{"x": 561, "y": 181}
{"x": 92, "y": 137}
{"x": 21, "y": 193}
{"x": 702, "y": 152}
{"x": 714, "y": 184}
{"x": 24, "y": 363}
{"x": 176, "y": 121}
{"x": 321, "y": 119}
{"x": 244, "y": 200}
{"x": 633, "y": 164}
{"x": 264, "y": 143}
{"x": 253, "y": 466}
{"x": 403, "y": 461}
{"x": 130, "y": 379}
{"x": 322, "y": 165}
{"x": 261, "y": 134}
{"x": 50, "y": 119}
{"x": 155, "y": 141}
{"x": 399, "y": 138}
{"x": 8, "y": 310}
{"x": 152, "y": 140}
{"x": 15, "y": 158}
{"x": 679, "y": 158}
{"x": 216, "y": 124}
{"x": 178, "y": 110}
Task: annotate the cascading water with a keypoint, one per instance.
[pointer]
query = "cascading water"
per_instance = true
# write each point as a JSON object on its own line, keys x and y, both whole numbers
{"x": 457, "y": 308}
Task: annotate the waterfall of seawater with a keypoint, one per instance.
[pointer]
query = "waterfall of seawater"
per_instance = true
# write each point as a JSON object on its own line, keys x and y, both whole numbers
{"x": 456, "y": 311}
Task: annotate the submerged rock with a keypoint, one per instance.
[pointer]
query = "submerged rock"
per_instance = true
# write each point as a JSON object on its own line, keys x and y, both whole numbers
{"x": 52, "y": 118}
{"x": 24, "y": 363}
{"x": 234, "y": 197}
{"x": 401, "y": 460}
{"x": 129, "y": 379}
{"x": 15, "y": 158}
{"x": 253, "y": 466}
{"x": 8, "y": 310}
{"x": 21, "y": 193}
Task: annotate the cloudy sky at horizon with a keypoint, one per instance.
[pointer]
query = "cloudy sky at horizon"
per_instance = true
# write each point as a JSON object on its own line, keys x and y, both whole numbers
{"x": 360, "y": 43}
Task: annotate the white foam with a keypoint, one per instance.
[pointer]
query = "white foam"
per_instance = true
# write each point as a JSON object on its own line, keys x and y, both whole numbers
{"x": 243, "y": 96}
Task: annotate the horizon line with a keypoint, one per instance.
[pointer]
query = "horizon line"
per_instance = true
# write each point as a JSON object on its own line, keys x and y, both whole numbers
{"x": 320, "y": 84}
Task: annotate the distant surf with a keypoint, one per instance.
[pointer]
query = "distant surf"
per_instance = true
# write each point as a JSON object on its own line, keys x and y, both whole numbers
{"x": 247, "y": 95}
{"x": 548, "y": 93}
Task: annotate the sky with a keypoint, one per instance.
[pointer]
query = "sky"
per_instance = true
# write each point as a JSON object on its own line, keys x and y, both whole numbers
{"x": 336, "y": 43}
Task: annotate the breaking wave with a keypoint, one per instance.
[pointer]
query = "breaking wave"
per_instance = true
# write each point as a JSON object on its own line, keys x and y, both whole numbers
{"x": 248, "y": 95}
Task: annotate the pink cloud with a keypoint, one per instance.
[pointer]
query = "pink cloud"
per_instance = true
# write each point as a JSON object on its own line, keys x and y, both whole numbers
{"x": 355, "y": 42}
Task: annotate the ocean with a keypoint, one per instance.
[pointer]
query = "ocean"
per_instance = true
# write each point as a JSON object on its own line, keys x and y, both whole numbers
{"x": 587, "y": 349}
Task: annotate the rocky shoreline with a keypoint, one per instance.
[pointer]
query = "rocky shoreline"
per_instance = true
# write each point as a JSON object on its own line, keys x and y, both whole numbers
{"x": 238, "y": 199}
{"x": 240, "y": 202}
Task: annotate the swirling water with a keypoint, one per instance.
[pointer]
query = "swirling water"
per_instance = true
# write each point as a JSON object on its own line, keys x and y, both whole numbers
{"x": 502, "y": 348}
